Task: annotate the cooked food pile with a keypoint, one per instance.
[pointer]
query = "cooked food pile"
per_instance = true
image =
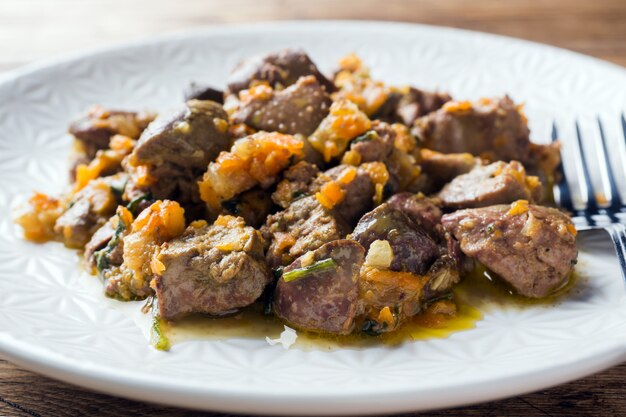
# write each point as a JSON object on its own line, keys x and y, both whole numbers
{"x": 341, "y": 204}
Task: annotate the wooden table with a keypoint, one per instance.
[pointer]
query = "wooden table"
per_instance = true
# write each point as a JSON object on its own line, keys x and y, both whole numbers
{"x": 36, "y": 29}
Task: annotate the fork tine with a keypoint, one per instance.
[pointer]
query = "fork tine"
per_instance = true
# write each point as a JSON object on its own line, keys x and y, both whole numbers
{"x": 624, "y": 135}
{"x": 562, "y": 194}
{"x": 618, "y": 235}
{"x": 592, "y": 206}
{"x": 615, "y": 201}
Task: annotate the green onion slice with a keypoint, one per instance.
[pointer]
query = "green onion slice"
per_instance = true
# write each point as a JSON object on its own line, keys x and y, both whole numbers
{"x": 318, "y": 266}
{"x": 157, "y": 335}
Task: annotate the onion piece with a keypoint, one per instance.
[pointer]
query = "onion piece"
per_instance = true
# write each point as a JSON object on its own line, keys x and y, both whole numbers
{"x": 379, "y": 255}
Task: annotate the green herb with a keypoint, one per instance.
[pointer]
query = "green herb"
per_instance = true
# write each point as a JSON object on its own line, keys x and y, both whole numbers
{"x": 133, "y": 206}
{"x": 102, "y": 260}
{"x": 231, "y": 205}
{"x": 366, "y": 137}
{"x": 387, "y": 191}
{"x": 158, "y": 339}
{"x": 373, "y": 328}
{"x": 395, "y": 310}
{"x": 491, "y": 228}
{"x": 316, "y": 267}
{"x": 102, "y": 256}
{"x": 148, "y": 305}
{"x": 278, "y": 272}
{"x": 157, "y": 336}
{"x": 298, "y": 194}
{"x": 117, "y": 187}
{"x": 268, "y": 298}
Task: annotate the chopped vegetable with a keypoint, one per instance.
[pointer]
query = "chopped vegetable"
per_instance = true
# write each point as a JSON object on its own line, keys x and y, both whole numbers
{"x": 334, "y": 191}
{"x": 344, "y": 122}
{"x": 379, "y": 175}
{"x": 126, "y": 124}
{"x": 231, "y": 205}
{"x": 158, "y": 339}
{"x": 160, "y": 222}
{"x": 118, "y": 186}
{"x": 318, "y": 266}
{"x": 518, "y": 207}
{"x": 257, "y": 92}
{"x": 38, "y": 221}
{"x": 253, "y": 160}
{"x": 157, "y": 336}
{"x": 235, "y": 241}
{"x": 385, "y": 316}
{"x": 355, "y": 84}
{"x": 458, "y": 106}
{"x": 105, "y": 161}
{"x": 404, "y": 141}
{"x": 572, "y": 229}
{"x": 287, "y": 338}
{"x": 352, "y": 63}
{"x": 373, "y": 328}
{"x": 330, "y": 195}
{"x": 380, "y": 254}
{"x": 278, "y": 272}
{"x": 133, "y": 206}
{"x": 268, "y": 294}
{"x": 123, "y": 219}
{"x": 366, "y": 137}
{"x": 351, "y": 158}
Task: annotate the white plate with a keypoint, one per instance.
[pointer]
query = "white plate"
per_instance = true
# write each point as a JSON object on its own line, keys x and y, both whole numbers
{"x": 52, "y": 315}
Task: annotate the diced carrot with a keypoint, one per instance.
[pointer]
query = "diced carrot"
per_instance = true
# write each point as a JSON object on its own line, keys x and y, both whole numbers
{"x": 385, "y": 316}
{"x": 38, "y": 222}
{"x": 572, "y": 229}
{"x": 347, "y": 176}
{"x": 257, "y": 92}
{"x": 518, "y": 207}
{"x": 344, "y": 122}
{"x": 350, "y": 62}
{"x": 330, "y": 195}
{"x": 122, "y": 143}
{"x": 457, "y": 106}
{"x": 254, "y": 160}
{"x": 532, "y": 182}
{"x": 156, "y": 265}
{"x": 351, "y": 158}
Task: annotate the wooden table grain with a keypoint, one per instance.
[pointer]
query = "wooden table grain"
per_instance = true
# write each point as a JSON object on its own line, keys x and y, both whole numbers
{"x": 37, "y": 29}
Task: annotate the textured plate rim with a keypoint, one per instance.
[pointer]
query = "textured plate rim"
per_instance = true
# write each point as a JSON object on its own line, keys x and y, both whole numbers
{"x": 245, "y": 399}
{"x": 131, "y": 386}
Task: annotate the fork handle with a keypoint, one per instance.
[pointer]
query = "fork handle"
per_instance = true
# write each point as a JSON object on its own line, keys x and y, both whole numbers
{"x": 618, "y": 236}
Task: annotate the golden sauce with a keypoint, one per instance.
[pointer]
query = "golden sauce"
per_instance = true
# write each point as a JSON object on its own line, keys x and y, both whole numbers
{"x": 478, "y": 293}
{"x": 252, "y": 324}
{"x": 484, "y": 290}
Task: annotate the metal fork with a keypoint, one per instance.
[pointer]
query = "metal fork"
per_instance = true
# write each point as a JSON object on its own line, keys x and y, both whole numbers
{"x": 584, "y": 217}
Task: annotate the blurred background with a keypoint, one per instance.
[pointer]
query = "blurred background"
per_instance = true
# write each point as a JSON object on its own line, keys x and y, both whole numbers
{"x": 37, "y": 29}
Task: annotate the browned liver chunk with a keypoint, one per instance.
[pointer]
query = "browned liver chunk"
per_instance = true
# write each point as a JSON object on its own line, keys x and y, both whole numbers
{"x": 324, "y": 298}
{"x": 532, "y": 248}
{"x": 298, "y": 108}
{"x": 278, "y": 69}
{"x": 491, "y": 128}
{"x": 497, "y": 183}
{"x": 211, "y": 269}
